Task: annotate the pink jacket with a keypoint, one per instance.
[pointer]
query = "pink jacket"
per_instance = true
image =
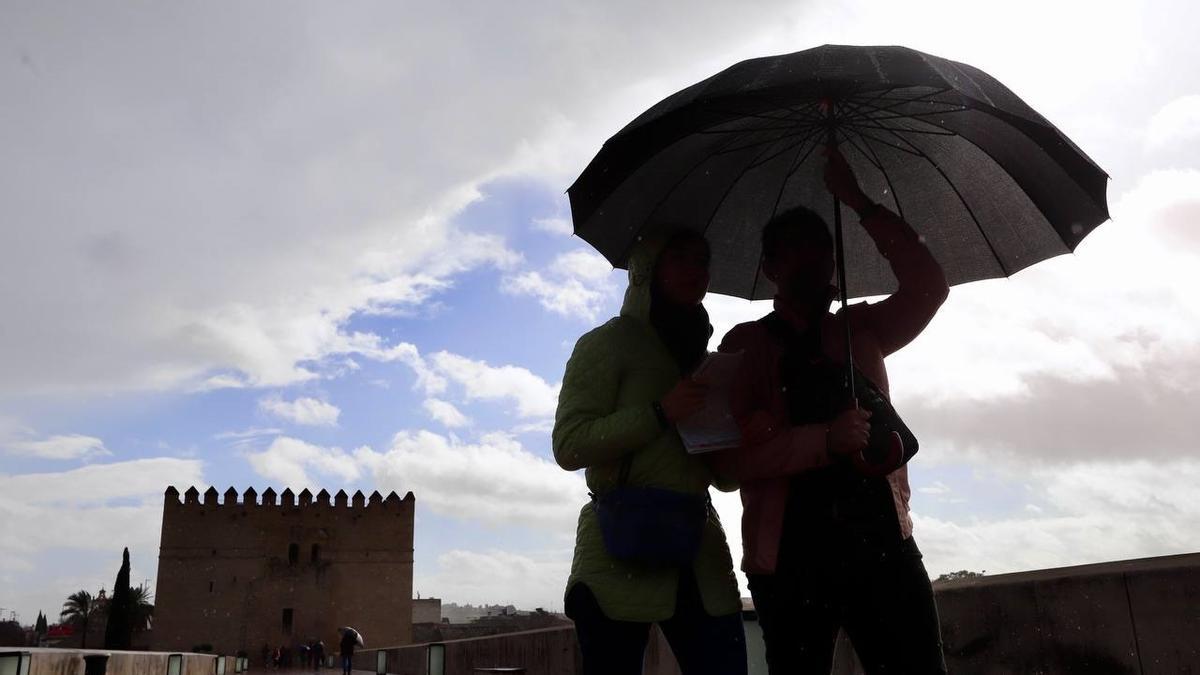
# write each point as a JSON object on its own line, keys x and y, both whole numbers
{"x": 772, "y": 450}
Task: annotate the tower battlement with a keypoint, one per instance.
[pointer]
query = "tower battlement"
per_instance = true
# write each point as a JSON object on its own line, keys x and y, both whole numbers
{"x": 286, "y": 499}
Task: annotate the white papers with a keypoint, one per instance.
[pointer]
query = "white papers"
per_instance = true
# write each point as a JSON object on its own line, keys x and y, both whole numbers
{"x": 713, "y": 427}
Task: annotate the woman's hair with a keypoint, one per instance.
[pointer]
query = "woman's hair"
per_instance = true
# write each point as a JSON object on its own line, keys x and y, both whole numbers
{"x": 795, "y": 224}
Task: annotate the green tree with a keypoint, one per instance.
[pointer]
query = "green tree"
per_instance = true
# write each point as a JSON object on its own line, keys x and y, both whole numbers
{"x": 41, "y": 628}
{"x": 961, "y": 574}
{"x": 143, "y": 607}
{"x": 118, "y": 632}
{"x": 77, "y": 611}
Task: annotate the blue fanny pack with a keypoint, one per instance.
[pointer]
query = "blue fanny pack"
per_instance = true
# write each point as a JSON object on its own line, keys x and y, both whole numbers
{"x": 650, "y": 525}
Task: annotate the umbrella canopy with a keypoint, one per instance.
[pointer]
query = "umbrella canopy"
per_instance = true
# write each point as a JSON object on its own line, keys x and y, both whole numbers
{"x": 357, "y": 635}
{"x": 990, "y": 184}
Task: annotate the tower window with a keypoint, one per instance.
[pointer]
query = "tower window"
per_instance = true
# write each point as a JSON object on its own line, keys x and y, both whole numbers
{"x": 316, "y": 553}
{"x": 287, "y": 620}
{"x": 293, "y": 553}
{"x": 210, "y": 587}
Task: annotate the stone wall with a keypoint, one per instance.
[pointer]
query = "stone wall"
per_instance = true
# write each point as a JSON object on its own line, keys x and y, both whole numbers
{"x": 73, "y": 662}
{"x": 229, "y": 569}
{"x": 1135, "y": 616}
{"x": 1140, "y": 617}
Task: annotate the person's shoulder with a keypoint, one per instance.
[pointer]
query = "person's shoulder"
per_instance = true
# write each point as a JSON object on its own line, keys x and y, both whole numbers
{"x": 744, "y": 335}
{"x": 859, "y": 313}
{"x": 609, "y": 337}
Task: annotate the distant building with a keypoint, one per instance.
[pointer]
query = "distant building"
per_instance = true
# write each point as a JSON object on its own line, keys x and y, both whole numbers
{"x": 427, "y": 610}
{"x": 244, "y": 575}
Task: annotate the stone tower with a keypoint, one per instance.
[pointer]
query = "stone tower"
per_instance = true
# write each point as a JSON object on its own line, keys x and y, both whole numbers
{"x": 240, "y": 575}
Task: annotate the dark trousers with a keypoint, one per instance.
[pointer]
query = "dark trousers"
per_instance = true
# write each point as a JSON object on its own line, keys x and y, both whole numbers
{"x": 702, "y": 644}
{"x": 883, "y": 602}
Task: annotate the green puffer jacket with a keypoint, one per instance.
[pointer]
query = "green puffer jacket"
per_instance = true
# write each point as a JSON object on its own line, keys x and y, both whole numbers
{"x": 604, "y": 413}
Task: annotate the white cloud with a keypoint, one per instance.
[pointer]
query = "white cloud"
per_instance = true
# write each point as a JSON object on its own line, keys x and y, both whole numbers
{"x": 554, "y": 225}
{"x": 428, "y": 380}
{"x": 311, "y": 181}
{"x": 576, "y": 284}
{"x": 533, "y": 396}
{"x": 445, "y": 413}
{"x": 1123, "y": 301}
{"x": 568, "y": 297}
{"x": 66, "y": 446}
{"x": 246, "y": 434}
{"x": 1087, "y": 512}
{"x": 583, "y": 264}
{"x": 499, "y": 577}
{"x": 492, "y": 480}
{"x": 85, "y": 515}
{"x": 1176, "y": 123}
{"x": 300, "y": 182}
{"x": 306, "y": 411}
{"x": 287, "y": 462}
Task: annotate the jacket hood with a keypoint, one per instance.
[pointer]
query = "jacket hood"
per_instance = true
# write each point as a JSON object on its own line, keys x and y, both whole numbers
{"x": 641, "y": 275}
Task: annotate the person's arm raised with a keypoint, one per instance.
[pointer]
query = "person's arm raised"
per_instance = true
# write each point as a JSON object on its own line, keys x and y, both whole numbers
{"x": 897, "y": 320}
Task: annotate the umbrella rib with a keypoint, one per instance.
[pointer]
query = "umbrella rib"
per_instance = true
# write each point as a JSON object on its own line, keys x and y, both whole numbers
{"x": 759, "y": 162}
{"x": 962, "y": 199}
{"x": 851, "y": 141}
{"x": 877, "y": 114}
{"x": 990, "y": 156}
{"x": 753, "y": 162}
{"x": 886, "y": 177}
{"x": 756, "y": 162}
{"x": 805, "y": 111}
{"x": 923, "y": 98}
{"x": 774, "y": 139}
{"x": 864, "y": 134}
{"x": 923, "y": 132}
{"x": 796, "y": 162}
{"x": 865, "y": 109}
{"x": 889, "y": 115}
{"x": 747, "y": 130}
{"x": 795, "y": 113}
{"x": 679, "y": 182}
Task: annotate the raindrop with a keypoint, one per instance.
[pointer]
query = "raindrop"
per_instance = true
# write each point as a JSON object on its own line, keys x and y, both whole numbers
{"x": 921, "y": 238}
{"x": 1076, "y": 228}
{"x": 885, "y": 191}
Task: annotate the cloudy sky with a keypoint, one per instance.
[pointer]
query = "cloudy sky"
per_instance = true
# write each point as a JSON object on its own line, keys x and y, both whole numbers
{"x": 327, "y": 245}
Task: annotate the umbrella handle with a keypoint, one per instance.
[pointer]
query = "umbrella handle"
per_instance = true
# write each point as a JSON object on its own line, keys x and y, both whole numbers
{"x": 891, "y": 460}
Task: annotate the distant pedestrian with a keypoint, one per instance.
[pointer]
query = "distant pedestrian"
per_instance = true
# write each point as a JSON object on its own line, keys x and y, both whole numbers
{"x": 349, "y": 641}
{"x": 318, "y": 654}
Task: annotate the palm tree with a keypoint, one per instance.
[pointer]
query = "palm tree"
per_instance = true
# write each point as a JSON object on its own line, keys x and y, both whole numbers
{"x": 77, "y": 611}
{"x": 143, "y": 607}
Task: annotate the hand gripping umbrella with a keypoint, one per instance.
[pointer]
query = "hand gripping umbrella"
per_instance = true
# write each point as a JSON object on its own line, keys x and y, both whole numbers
{"x": 989, "y": 184}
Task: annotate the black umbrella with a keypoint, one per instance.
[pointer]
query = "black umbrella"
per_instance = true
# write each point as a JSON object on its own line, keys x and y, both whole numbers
{"x": 990, "y": 185}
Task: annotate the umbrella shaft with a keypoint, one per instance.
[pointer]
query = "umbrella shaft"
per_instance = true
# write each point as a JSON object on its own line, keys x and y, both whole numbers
{"x": 840, "y": 249}
{"x": 840, "y": 244}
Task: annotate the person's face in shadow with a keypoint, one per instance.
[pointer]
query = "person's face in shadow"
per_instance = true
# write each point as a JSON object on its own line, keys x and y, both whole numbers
{"x": 801, "y": 266}
{"x": 682, "y": 271}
